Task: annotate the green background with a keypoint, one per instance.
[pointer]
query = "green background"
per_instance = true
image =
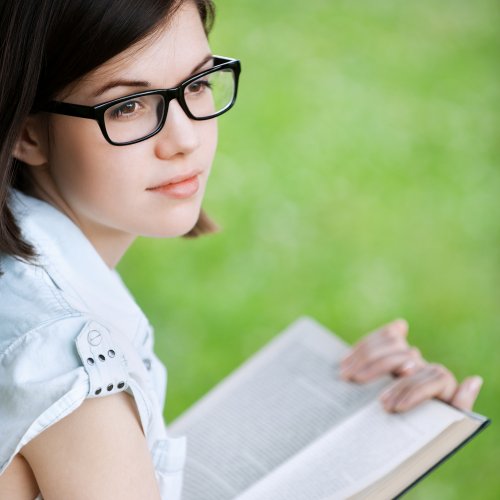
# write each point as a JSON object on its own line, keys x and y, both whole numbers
{"x": 356, "y": 181}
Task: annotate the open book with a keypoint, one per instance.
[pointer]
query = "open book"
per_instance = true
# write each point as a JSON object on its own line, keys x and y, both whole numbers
{"x": 285, "y": 426}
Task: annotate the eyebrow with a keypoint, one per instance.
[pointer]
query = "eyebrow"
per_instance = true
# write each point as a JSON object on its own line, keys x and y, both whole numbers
{"x": 143, "y": 83}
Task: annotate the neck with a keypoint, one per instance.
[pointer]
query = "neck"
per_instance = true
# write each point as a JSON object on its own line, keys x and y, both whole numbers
{"x": 110, "y": 244}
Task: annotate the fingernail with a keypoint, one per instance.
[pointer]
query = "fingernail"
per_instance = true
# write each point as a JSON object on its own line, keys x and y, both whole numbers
{"x": 346, "y": 358}
{"x": 389, "y": 407}
{"x": 345, "y": 367}
{"x": 385, "y": 395}
{"x": 407, "y": 365}
{"x": 400, "y": 407}
{"x": 475, "y": 384}
{"x": 401, "y": 323}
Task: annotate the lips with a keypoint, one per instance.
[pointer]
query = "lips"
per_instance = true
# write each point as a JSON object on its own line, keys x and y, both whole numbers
{"x": 177, "y": 179}
{"x": 180, "y": 187}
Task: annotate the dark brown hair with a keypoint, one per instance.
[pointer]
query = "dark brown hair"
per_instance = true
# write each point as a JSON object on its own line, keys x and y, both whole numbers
{"x": 47, "y": 45}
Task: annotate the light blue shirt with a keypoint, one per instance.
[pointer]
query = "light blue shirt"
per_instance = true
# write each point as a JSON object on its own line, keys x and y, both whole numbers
{"x": 70, "y": 330}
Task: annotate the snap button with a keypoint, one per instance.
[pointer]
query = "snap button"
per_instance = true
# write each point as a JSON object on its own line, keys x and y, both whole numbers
{"x": 94, "y": 337}
{"x": 98, "y": 391}
{"x": 110, "y": 387}
{"x": 147, "y": 363}
{"x": 101, "y": 357}
{"x": 90, "y": 361}
{"x": 111, "y": 353}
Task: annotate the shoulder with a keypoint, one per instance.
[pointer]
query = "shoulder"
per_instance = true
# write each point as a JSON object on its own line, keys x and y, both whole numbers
{"x": 98, "y": 451}
{"x": 65, "y": 410}
{"x": 47, "y": 372}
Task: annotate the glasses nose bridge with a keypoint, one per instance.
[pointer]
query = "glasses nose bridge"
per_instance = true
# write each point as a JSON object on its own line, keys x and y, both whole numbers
{"x": 177, "y": 94}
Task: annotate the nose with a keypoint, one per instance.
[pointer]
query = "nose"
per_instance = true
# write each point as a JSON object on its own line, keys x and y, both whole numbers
{"x": 179, "y": 134}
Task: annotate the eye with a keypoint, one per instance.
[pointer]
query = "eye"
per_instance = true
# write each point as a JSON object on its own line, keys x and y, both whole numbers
{"x": 199, "y": 86}
{"x": 126, "y": 109}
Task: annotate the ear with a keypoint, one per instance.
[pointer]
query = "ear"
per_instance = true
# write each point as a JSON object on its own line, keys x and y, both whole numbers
{"x": 31, "y": 146}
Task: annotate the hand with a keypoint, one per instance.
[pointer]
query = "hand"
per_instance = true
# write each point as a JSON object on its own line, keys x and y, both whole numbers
{"x": 431, "y": 381}
{"x": 382, "y": 352}
{"x": 386, "y": 351}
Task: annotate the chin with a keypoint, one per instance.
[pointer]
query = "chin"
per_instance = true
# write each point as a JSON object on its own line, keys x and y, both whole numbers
{"x": 174, "y": 228}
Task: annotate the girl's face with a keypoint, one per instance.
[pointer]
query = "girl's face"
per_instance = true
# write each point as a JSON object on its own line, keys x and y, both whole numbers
{"x": 106, "y": 189}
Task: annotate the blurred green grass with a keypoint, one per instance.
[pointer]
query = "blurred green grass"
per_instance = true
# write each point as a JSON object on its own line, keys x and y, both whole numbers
{"x": 356, "y": 181}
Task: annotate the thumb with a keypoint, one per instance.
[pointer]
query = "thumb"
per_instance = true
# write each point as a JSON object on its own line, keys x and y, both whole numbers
{"x": 466, "y": 393}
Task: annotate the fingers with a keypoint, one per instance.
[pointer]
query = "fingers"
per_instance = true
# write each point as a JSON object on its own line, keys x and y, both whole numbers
{"x": 382, "y": 352}
{"x": 397, "y": 329}
{"x": 386, "y": 351}
{"x": 403, "y": 362}
{"x": 412, "y": 364}
{"x": 467, "y": 392}
{"x": 431, "y": 381}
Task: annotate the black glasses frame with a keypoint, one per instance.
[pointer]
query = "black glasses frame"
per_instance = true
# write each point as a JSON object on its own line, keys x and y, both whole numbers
{"x": 97, "y": 112}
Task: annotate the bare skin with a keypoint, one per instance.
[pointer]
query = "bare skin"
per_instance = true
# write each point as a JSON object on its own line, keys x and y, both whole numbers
{"x": 387, "y": 351}
{"x": 18, "y": 481}
{"x": 106, "y": 191}
{"x": 382, "y": 352}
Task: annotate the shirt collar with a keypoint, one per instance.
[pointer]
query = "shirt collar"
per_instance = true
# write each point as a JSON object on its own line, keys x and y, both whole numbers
{"x": 74, "y": 265}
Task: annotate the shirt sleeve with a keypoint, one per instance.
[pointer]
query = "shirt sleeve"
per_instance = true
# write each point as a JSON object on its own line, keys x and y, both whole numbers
{"x": 48, "y": 372}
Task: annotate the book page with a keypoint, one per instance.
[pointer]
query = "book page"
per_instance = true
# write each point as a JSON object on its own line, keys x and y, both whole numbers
{"x": 278, "y": 402}
{"x": 355, "y": 454}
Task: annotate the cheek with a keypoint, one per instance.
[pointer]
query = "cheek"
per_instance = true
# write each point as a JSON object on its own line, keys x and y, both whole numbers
{"x": 86, "y": 168}
{"x": 209, "y": 139}
{"x": 108, "y": 184}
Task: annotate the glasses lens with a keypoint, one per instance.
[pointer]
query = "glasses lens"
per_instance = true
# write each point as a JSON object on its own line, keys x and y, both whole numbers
{"x": 210, "y": 94}
{"x": 134, "y": 119}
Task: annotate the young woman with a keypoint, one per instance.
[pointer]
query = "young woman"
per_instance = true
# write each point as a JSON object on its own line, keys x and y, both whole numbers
{"x": 107, "y": 132}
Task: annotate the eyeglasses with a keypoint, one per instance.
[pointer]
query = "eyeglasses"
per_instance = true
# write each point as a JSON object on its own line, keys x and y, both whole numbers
{"x": 137, "y": 117}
